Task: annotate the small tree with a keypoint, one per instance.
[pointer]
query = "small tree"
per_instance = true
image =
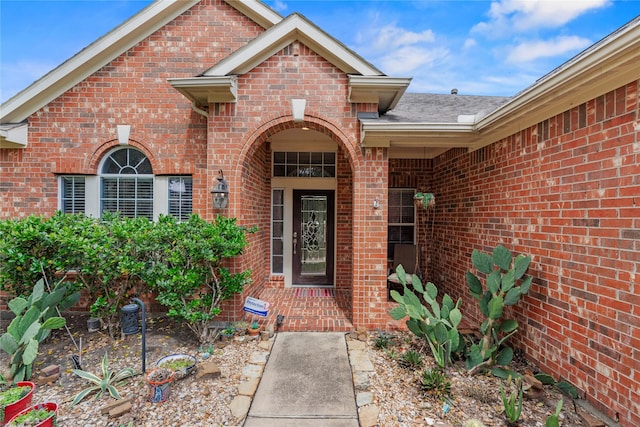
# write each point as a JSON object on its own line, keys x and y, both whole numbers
{"x": 186, "y": 268}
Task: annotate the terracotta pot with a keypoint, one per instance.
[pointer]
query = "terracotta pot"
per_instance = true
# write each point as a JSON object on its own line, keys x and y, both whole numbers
{"x": 13, "y": 408}
{"x": 47, "y": 422}
{"x": 254, "y": 332}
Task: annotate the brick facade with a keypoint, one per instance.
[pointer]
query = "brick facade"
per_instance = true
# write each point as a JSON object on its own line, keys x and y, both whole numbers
{"x": 567, "y": 192}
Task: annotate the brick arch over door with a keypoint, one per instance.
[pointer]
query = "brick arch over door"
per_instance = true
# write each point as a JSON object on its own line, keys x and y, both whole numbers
{"x": 253, "y": 177}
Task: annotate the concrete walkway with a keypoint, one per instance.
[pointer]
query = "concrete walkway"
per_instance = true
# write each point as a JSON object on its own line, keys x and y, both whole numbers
{"x": 307, "y": 381}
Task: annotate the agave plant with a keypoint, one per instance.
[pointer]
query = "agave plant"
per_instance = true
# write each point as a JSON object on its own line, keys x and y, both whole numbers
{"x": 105, "y": 384}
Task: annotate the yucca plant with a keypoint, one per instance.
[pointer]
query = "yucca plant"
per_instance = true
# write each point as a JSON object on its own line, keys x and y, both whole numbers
{"x": 104, "y": 384}
{"x": 411, "y": 359}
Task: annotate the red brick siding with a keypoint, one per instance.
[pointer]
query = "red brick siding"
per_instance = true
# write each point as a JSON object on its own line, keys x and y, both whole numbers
{"x": 566, "y": 192}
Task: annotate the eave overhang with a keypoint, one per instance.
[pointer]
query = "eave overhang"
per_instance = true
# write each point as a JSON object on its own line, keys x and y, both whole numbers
{"x": 435, "y": 135}
{"x": 204, "y": 90}
{"x": 13, "y": 135}
{"x": 384, "y": 90}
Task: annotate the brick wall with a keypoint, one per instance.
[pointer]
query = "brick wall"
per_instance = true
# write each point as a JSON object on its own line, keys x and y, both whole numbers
{"x": 566, "y": 192}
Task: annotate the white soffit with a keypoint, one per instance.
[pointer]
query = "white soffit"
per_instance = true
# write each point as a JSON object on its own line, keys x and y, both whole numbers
{"x": 13, "y": 135}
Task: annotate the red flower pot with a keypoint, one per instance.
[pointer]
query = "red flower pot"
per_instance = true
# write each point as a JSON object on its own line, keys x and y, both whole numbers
{"x": 15, "y": 407}
{"x": 47, "y": 422}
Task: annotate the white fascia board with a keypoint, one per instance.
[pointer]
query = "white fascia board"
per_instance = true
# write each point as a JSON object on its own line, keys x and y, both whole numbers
{"x": 91, "y": 59}
{"x": 14, "y": 136}
{"x": 205, "y": 90}
{"x": 596, "y": 71}
{"x": 384, "y": 90}
{"x": 257, "y": 11}
{"x": 417, "y": 134}
{"x": 294, "y": 27}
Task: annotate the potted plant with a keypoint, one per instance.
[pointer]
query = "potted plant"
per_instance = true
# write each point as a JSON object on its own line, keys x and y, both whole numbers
{"x": 254, "y": 329}
{"x": 40, "y": 415}
{"x": 159, "y": 381}
{"x": 227, "y": 333}
{"x": 181, "y": 364}
{"x": 15, "y": 398}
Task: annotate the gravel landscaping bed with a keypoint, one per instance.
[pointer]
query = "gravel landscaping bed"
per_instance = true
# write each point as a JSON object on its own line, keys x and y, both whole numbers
{"x": 395, "y": 390}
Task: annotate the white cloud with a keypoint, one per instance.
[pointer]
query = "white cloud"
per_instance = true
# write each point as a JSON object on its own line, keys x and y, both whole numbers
{"x": 533, "y": 50}
{"x": 391, "y": 37}
{"x": 406, "y": 60}
{"x": 279, "y": 6}
{"x": 513, "y": 16}
{"x": 469, "y": 43}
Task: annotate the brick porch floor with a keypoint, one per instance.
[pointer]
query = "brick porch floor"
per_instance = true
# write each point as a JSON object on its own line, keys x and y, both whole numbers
{"x": 308, "y": 309}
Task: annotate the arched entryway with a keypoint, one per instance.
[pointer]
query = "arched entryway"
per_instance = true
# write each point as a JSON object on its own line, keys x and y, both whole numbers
{"x": 301, "y": 182}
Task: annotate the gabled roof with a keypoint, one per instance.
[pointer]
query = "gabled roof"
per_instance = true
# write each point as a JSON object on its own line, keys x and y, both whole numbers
{"x": 218, "y": 83}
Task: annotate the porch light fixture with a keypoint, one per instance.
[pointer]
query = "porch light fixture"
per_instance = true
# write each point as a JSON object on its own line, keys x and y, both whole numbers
{"x": 220, "y": 192}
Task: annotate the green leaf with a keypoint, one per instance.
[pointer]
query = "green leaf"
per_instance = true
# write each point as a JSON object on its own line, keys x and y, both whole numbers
{"x": 30, "y": 317}
{"x": 113, "y": 392}
{"x": 545, "y": 379}
{"x": 395, "y": 295}
{"x": 513, "y": 296}
{"x": 505, "y": 373}
{"x": 8, "y": 343}
{"x": 456, "y": 317}
{"x": 505, "y": 356}
{"x": 38, "y": 292}
{"x": 525, "y": 285}
{"x": 502, "y": 257}
{"x": 495, "y": 307}
{"x": 509, "y": 325}
{"x": 414, "y": 326}
{"x": 447, "y": 302}
{"x": 552, "y": 421}
{"x": 69, "y": 301}
{"x": 417, "y": 284}
{"x": 493, "y": 282}
{"x": 481, "y": 261}
{"x": 441, "y": 333}
{"x": 508, "y": 281}
{"x": 431, "y": 291}
{"x": 567, "y": 388}
{"x": 54, "y": 323}
{"x": 475, "y": 287}
{"x": 484, "y": 303}
{"x": 17, "y": 305}
{"x": 87, "y": 376}
{"x": 30, "y": 352}
{"x": 30, "y": 333}
{"x": 435, "y": 307}
{"x": 454, "y": 337}
{"x": 445, "y": 312}
{"x": 398, "y": 312}
{"x": 521, "y": 265}
{"x": 83, "y": 394}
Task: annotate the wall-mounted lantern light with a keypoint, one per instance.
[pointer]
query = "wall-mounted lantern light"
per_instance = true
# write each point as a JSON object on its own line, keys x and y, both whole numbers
{"x": 220, "y": 192}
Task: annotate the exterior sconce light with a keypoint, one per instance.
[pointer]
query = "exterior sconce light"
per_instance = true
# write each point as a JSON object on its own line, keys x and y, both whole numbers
{"x": 220, "y": 192}
{"x": 123, "y": 134}
{"x": 376, "y": 203}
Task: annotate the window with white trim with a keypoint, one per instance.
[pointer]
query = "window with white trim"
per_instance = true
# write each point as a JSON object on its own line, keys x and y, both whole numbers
{"x": 402, "y": 216}
{"x": 126, "y": 184}
{"x": 277, "y": 231}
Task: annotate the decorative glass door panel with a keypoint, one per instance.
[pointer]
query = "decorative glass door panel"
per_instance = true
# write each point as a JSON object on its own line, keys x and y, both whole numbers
{"x": 313, "y": 237}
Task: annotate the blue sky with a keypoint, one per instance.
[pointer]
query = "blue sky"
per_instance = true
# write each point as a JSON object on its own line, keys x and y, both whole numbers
{"x": 479, "y": 47}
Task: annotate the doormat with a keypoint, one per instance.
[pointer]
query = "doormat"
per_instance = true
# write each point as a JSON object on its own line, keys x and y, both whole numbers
{"x": 315, "y": 292}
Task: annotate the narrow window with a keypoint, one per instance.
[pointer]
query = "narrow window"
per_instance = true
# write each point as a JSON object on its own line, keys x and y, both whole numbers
{"x": 402, "y": 214}
{"x": 180, "y": 197}
{"x": 72, "y": 194}
{"x": 277, "y": 231}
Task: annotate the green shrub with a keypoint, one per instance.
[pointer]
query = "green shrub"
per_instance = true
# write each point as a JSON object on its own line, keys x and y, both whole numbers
{"x": 411, "y": 359}
{"x": 186, "y": 267}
